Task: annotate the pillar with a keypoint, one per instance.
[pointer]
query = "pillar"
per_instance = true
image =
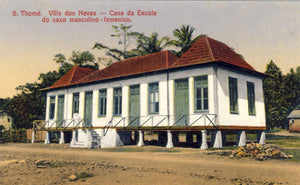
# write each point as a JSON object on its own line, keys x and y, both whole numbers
{"x": 261, "y": 137}
{"x": 62, "y": 137}
{"x": 204, "y": 140}
{"x": 88, "y": 142}
{"x": 32, "y": 136}
{"x": 217, "y": 139}
{"x": 73, "y": 141}
{"x": 189, "y": 138}
{"x": 170, "y": 142}
{"x": 47, "y": 138}
{"x": 141, "y": 139}
{"x": 241, "y": 138}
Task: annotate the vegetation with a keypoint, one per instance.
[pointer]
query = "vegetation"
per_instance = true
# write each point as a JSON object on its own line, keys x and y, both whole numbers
{"x": 282, "y": 95}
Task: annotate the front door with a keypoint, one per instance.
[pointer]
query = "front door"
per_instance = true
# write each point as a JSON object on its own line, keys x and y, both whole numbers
{"x": 88, "y": 108}
{"x": 134, "y": 105}
{"x": 181, "y": 102}
{"x": 60, "y": 110}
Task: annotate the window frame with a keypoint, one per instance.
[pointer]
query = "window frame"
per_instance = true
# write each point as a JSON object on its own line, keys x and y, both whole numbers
{"x": 203, "y": 98}
{"x": 233, "y": 95}
{"x": 74, "y": 107}
{"x": 52, "y": 107}
{"x": 102, "y": 97}
{"x": 153, "y": 104}
{"x": 118, "y": 111}
{"x": 251, "y": 98}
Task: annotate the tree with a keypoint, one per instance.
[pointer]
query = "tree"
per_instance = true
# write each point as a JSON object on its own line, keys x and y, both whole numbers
{"x": 84, "y": 59}
{"x": 151, "y": 44}
{"x": 281, "y": 93}
{"x": 184, "y": 38}
{"x": 122, "y": 32}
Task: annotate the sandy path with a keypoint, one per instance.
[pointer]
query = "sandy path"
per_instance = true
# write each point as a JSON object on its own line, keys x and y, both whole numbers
{"x": 189, "y": 166}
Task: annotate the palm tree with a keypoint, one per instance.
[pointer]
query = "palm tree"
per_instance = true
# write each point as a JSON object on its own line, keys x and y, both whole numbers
{"x": 152, "y": 44}
{"x": 183, "y": 38}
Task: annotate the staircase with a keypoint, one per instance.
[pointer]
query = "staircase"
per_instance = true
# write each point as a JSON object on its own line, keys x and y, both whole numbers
{"x": 88, "y": 139}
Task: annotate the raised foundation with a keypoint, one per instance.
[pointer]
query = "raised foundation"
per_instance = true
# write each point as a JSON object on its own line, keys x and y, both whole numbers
{"x": 204, "y": 140}
{"x": 170, "y": 142}
{"x": 241, "y": 138}
{"x": 261, "y": 137}
{"x": 47, "y": 138}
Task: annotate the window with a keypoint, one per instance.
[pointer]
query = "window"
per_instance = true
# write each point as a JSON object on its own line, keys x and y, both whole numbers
{"x": 8, "y": 119}
{"x": 52, "y": 107}
{"x": 251, "y": 98}
{"x": 75, "y": 108}
{"x": 153, "y": 98}
{"x": 117, "y": 102}
{"x": 201, "y": 93}
{"x": 233, "y": 95}
{"x": 102, "y": 102}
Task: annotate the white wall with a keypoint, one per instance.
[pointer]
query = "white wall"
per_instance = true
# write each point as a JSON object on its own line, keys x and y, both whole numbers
{"x": 242, "y": 118}
{"x": 217, "y": 84}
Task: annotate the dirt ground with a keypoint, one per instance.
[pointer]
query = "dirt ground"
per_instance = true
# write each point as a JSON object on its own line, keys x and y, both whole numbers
{"x": 54, "y": 164}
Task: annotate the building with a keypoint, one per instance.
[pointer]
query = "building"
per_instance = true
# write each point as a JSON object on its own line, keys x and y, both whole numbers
{"x": 294, "y": 121}
{"x": 5, "y": 120}
{"x": 210, "y": 88}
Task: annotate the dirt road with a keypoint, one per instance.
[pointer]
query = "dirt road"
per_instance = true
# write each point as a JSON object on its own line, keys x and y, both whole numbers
{"x": 54, "y": 164}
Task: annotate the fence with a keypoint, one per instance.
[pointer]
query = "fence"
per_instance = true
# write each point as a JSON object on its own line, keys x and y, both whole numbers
{"x": 13, "y": 135}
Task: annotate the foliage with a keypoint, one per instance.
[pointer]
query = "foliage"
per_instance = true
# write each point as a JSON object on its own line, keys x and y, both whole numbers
{"x": 281, "y": 93}
{"x": 184, "y": 38}
{"x": 151, "y": 44}
{"x": 122, "y": 32}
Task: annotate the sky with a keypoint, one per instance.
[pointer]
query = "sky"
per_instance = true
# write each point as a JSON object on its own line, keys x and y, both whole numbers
{"x": 259, "y": 30}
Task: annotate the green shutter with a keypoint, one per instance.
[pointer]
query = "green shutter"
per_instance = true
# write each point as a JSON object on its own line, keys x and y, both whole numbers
{"x": 251, "y": 98}
{"x": 233, "y": 95}
{"x": 134, "y": 105}
{"x": 181, "y": 102}
{"x": 60, "y": 109}
{"x": 88, "y": 108}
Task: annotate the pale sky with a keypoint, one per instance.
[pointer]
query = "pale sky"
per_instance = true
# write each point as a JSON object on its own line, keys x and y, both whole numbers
{"x": 260, "y": 31}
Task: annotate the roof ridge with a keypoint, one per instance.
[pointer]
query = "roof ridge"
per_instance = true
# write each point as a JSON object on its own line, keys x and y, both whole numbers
{"x": 209, "y": 48}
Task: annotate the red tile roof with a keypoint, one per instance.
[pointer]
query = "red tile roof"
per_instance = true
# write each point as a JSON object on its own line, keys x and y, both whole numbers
{"x": 206, "y": 50}
{"x": 72, "y": 76}
{"x": 132, "y": 66}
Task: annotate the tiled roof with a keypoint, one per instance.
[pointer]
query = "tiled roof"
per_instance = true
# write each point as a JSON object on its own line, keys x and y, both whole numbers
{"x": 132, "y": 66}
{"x": 72, "y": 76}
{"x": 206, "y": 50}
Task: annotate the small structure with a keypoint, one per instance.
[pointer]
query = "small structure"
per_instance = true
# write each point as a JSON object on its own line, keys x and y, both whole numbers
{"x": 210, "y": 88}
{"x": 294, "y": 121}
{"x": 6, "y": 120}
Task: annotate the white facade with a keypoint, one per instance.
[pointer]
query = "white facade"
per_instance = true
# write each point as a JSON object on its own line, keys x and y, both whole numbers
{"x": 218, "y": 98}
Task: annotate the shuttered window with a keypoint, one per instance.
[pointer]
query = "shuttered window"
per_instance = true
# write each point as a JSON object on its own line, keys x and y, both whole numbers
{"x": 52, "y": 107}
{"x": 117, "y": 102}
{"x": 233, "y": 95}
{"x": 251, "y": 98}
{"x": 75, "y": 106}
{"x": 102, "y": 102}
{"x": 201, "y": 93}
{"x": 153, "y": 98}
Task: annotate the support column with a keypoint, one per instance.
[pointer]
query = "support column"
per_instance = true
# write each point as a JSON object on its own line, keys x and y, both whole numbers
{"x": 189, "y": 138}
{"x": 241, "y": 138}
{"x": 261, "y": 137}
{"x": 62, "y": 137}
{"x": 170, "y": 142}
{"x": 217, "y": 139}
{"x": 47, "y": 138}
{"x": 141, "y": 139}
{"x": 73, "y": 141}
{"x": 32, "y": 136}
{"x": 88, "y": 142}
{"x": 204, "y": 140}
